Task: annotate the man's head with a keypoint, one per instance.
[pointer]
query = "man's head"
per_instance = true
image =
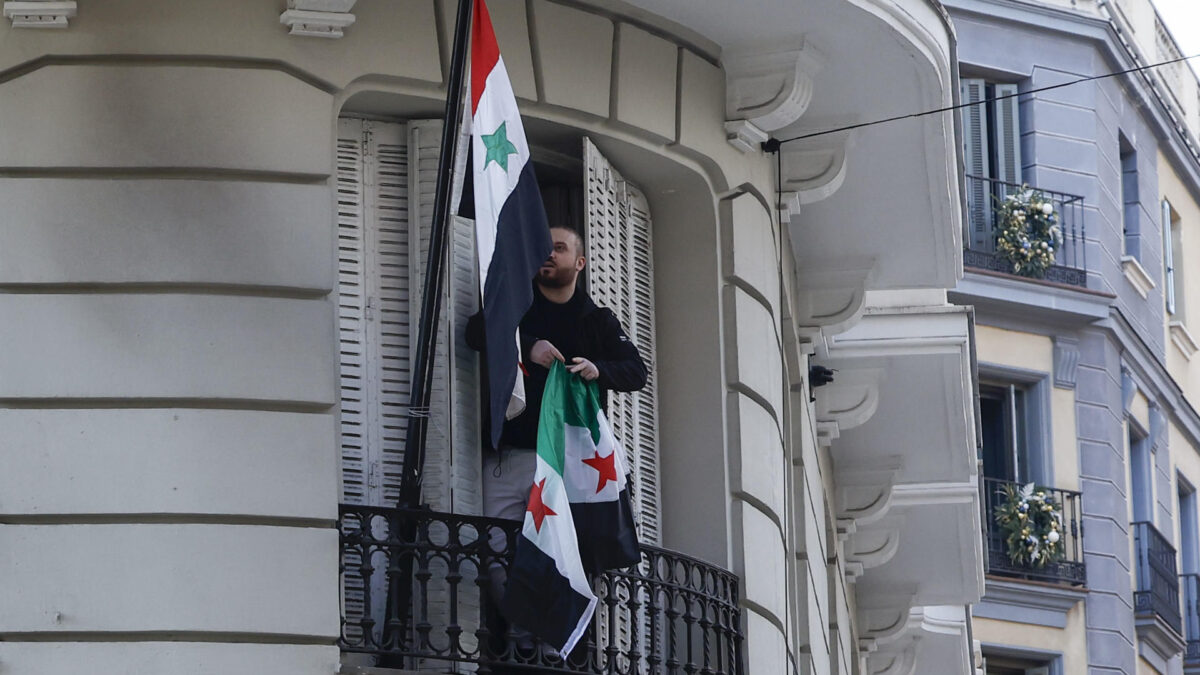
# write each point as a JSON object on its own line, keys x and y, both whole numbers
{"x": 566, "y": 260}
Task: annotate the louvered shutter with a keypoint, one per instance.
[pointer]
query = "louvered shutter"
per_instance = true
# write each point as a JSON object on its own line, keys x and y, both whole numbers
{"x": 352, "y": 296}
{"x": 373, "y": 312}
{"x": 1168, "y": 257}
{"x": 621, "y": 277}
{"x": 452, "y": 459}
{"x": 452, "y": 446}
{"x": 975, "y": 157}
{"x": 373, "y": 329}
{"x": 1007, "y": 134}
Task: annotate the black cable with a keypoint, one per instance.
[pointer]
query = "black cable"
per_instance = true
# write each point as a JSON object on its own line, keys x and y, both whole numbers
{"x": 772, "y": 145}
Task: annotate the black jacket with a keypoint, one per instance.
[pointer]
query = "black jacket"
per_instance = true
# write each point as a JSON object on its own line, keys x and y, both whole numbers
{"x": 576, "y": 328}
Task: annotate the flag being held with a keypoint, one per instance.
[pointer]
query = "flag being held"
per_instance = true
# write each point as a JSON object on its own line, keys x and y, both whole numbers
{"x": 511, "y": 231}
{"x": 578, "y": 515}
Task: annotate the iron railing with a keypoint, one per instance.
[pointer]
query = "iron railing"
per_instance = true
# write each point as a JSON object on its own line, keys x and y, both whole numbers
{"x": 1067, "y": 568}
{"x": 984, "y": 194}
{"x": 1157, "y": 579}
{"x": 1189, "y": 585}
{"x": 417, "y": 594}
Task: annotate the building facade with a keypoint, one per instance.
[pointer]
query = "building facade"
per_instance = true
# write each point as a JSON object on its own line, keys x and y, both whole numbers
{"x": 214, "y": 235}
{"x": 1086, "y": 381}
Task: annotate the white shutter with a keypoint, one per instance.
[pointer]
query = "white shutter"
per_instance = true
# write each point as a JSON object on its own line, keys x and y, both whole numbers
{"x": 975, "y": 156}
{"x": 373, "y": 315}
{"x": 351, "y": 309}
{"x": 1168, "y": 256}
{"x": 643, "y": 434}
{"x": 621, "y": 277}
{"x": 373, "y": 328}
{"x": 1007, "y": 134}
{"x": 452, "y": 456}
{"x": 452, "y": 446}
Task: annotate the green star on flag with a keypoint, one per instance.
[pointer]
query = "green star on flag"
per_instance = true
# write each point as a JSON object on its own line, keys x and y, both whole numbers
{"x": 498, "y": 147}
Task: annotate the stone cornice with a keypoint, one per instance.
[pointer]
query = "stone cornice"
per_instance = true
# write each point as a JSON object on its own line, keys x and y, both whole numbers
{"x": 1032, "y": 603}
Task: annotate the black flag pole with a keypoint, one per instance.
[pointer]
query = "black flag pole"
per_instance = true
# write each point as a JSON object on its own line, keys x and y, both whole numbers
{"x": 431, "y": 298}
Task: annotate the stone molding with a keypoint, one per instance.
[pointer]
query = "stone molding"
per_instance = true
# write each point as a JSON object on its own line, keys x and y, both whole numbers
{"x": 1182, "y": 338}
{"x": 1137, "y": 275}
{"x": 318, "y": 18}
{"x": 815, "y": 170}
{"x": 40, "y": 13}
{"x": 743, "y": 135}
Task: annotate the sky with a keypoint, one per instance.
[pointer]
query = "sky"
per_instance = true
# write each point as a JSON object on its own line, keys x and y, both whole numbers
{"x": 1183, "y": 19}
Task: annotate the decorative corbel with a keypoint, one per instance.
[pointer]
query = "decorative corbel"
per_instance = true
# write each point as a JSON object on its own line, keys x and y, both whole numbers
{"x": 318, "y": 18}
{"x": 1066, "y": 362}
{"x": 40, "y": 13}
{"x": 815, "y": 168}
{"x": 769, "y": 85}
{"x": 830, "y": 295}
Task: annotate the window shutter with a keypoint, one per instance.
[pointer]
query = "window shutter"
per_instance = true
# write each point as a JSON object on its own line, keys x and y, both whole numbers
{"x": 643, "y": 438}
{"x": 351, "y": 309}
{"x": 621, "y": 277}
{"x": 1006, "y": 113}
{"x": 452, "y": 456}
{"x": 373, "y": 327}
{"x": 975, "y": 159}
{"x": 452, "y": 481}
{"x": 1168, "y": 256}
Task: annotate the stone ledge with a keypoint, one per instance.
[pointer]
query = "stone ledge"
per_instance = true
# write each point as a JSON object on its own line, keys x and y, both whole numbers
{"x": 1182, "y": 338}
{"x": 1137, "y": 275}
{"x": 1158, "y": 643}
{"x": 1024, "y": 602}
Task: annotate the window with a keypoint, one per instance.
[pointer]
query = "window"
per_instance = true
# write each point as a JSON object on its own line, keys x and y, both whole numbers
{"x": 1010, "y": 419}
{"x": 1172, "y": 275}
{"x": 1189, "y": 534}
{"x": 1003, "y": 663}
{"x": 991, "y": 149}
{"x": 1130, "y": 223}
{"x": 1141, "y": 475}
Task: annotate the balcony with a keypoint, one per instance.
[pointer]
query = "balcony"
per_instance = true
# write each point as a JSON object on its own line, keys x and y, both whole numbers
{"x": 1065, "y": 568}
{"x": 980, "y": 242}
{"x": 1157, "y": 579}
{"x": 415, "y": 596}
{"x": 1190, "y": 586}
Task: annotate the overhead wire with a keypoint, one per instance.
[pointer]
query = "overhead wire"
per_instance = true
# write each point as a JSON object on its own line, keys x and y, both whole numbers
{"x": 772, "y": 145}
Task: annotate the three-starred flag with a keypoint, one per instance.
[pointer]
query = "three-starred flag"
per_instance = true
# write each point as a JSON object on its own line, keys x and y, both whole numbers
{"x": 578, "y": 515}
{"x": 512, "y": 234}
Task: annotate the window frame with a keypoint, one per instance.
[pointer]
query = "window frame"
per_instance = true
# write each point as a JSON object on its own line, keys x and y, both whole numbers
{"x": 1039, "y": 450}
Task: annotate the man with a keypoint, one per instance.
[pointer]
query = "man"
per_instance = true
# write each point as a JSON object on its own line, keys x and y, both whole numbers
{"x": 562, "y": 324}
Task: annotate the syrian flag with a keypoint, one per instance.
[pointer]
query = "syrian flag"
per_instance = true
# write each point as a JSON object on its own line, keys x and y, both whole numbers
{"x": 511, "y": 232}
{"x": 575, "y": 515}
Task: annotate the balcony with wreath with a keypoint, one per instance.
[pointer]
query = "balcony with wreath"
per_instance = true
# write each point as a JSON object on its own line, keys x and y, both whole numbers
{"x": 1024, "y": 245}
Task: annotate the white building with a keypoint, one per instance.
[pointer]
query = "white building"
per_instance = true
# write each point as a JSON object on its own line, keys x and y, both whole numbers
{"x": 211, "y": 242}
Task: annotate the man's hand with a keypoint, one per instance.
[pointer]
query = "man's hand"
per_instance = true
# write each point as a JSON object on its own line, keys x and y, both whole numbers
{"x": 586, "y": 369}
{"x": 543, "y": 353}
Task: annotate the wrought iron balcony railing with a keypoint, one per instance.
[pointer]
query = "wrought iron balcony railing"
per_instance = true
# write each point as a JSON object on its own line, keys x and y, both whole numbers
{"x": 1065, "y": 568}
{"x": 415, "y": 592}
{"x": 1157, "y": 579}
{"x": 1189, "y": 585}
{"x": 983, "y": 194}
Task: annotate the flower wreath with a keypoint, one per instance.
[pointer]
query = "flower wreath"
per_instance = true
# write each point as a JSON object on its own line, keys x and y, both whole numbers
{"x": 1031, "y": 522}
{"x": 1027, "y": 232}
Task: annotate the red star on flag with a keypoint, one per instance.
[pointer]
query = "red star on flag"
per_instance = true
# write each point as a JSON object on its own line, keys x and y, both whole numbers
{"x": 537, "y": 507}
{"x": 607, "y": 468}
